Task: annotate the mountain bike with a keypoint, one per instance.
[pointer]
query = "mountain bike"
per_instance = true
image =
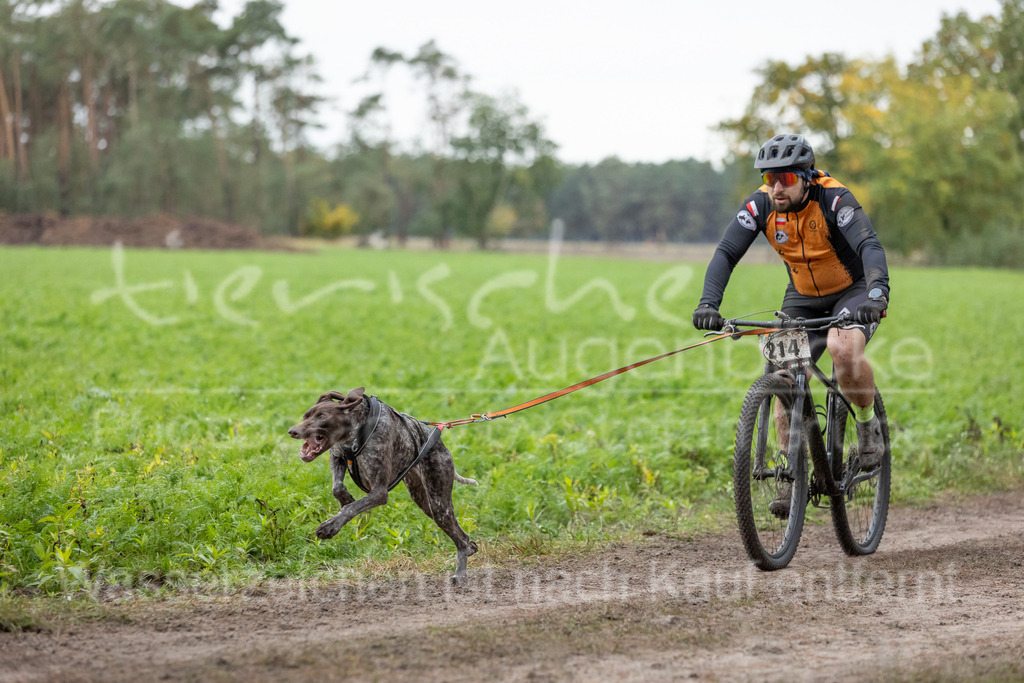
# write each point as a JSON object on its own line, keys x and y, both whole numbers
{"x": 779, "y": 427}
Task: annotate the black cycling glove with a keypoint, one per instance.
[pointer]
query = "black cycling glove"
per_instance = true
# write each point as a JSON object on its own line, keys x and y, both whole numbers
{"x": 870, "y": 311}
{"x": 706, "y": 317}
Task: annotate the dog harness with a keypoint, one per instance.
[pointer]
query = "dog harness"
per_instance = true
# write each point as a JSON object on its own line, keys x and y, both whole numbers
{"x": 366, "y": 430}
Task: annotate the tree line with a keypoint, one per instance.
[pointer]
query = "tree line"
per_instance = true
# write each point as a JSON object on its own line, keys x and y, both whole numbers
{"x": 131, "y": 107}
{"x": 935, "y": 151}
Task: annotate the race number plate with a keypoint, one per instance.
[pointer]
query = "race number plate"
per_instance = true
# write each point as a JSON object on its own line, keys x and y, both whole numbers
{"x": 785, "y": 346}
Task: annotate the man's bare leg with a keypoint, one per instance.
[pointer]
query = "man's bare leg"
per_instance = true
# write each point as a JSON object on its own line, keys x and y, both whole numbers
{"x": 857, "y": 380}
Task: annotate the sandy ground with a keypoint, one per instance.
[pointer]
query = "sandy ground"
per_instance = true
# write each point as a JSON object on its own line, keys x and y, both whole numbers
{"x": 943, "y": 598}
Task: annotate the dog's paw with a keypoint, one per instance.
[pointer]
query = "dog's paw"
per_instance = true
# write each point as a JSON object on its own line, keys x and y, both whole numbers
{"x": 327, "y": 530}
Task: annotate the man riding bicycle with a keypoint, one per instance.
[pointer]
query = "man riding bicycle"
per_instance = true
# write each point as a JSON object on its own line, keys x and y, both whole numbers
{"x": 835, "y": 263}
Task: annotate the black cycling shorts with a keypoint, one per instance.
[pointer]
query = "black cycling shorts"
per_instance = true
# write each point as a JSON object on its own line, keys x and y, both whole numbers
{"x": 800, "y": 305}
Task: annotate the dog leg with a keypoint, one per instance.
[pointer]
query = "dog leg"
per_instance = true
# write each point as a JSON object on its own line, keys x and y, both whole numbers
{"x": 434, "y": 497}
{"x": 338, "y": 469}
{"x": 375, "y": 498}
{"x": 463, "y": 552}
{"x": 459, "y": 577}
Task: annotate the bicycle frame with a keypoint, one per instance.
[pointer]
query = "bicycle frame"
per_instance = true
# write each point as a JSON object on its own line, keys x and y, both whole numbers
{"x": 803, "y": 413}
{"x": 803, "y": 416}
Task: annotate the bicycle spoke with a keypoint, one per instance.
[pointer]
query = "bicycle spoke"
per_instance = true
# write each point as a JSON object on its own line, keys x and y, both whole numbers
{"x": 859, "y": 515}
{"x": 770, "y": 490}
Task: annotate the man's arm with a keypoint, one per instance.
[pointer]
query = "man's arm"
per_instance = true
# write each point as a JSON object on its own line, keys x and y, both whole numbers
{"x": 739, "y": 235}
{"x": 856, "y": 227}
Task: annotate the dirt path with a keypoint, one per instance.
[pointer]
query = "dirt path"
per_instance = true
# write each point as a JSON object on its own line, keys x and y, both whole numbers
{"x": 943, "y": 598}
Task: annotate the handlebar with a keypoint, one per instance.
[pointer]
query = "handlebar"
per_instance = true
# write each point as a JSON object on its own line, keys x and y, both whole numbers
{"x": 787, "y": 323}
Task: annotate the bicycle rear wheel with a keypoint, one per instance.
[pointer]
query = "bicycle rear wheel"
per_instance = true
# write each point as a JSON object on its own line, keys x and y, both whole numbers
{"x": 859, "y": 514}
{"x": 762, "y": 468}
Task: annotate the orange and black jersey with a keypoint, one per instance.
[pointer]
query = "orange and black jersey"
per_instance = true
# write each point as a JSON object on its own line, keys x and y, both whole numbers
{"x": 828, "y": 244}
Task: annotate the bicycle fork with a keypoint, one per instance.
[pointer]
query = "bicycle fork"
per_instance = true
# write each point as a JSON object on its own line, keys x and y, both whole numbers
{"x": 760, "y": 471}
{"x": 797, "y": 417}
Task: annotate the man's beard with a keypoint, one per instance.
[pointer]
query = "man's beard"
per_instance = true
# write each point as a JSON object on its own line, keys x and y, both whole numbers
{"x": 792, "y": 206}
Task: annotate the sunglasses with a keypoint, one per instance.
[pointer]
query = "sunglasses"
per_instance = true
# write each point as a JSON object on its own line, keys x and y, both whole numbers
{"x": 787, "y": 179}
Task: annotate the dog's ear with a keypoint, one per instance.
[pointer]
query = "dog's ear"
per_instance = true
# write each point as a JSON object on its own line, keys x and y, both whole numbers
{"x": 354, "y": 398}
{"x": 344, "y": 402}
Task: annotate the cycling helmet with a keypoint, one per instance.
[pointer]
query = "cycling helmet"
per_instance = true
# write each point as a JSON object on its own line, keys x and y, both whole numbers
{"x": 785, "y": 151}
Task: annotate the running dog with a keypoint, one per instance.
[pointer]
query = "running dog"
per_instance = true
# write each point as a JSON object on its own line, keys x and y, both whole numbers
{"x": 378, "y": 447}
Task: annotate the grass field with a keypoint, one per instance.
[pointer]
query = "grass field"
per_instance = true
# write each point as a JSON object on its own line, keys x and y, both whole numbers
{"x": 146, "y": 398}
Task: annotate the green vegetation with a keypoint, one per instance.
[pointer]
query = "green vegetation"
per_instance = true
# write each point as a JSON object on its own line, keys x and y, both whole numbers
{"x": 143, "y": 438}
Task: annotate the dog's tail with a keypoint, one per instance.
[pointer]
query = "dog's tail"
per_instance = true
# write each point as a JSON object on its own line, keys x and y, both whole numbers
{"x": 465, "y": 480}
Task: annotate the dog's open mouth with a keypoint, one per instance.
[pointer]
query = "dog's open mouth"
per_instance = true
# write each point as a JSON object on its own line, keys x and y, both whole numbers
{"x": 312, "y": 447}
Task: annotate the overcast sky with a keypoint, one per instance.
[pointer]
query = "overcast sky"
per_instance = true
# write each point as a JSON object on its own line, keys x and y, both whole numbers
{"x": 643, "y": 81}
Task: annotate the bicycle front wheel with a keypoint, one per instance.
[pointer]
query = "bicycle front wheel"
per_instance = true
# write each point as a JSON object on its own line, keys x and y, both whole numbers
{"x": 769, "y": 484}
{"x": 859, "y": 514}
